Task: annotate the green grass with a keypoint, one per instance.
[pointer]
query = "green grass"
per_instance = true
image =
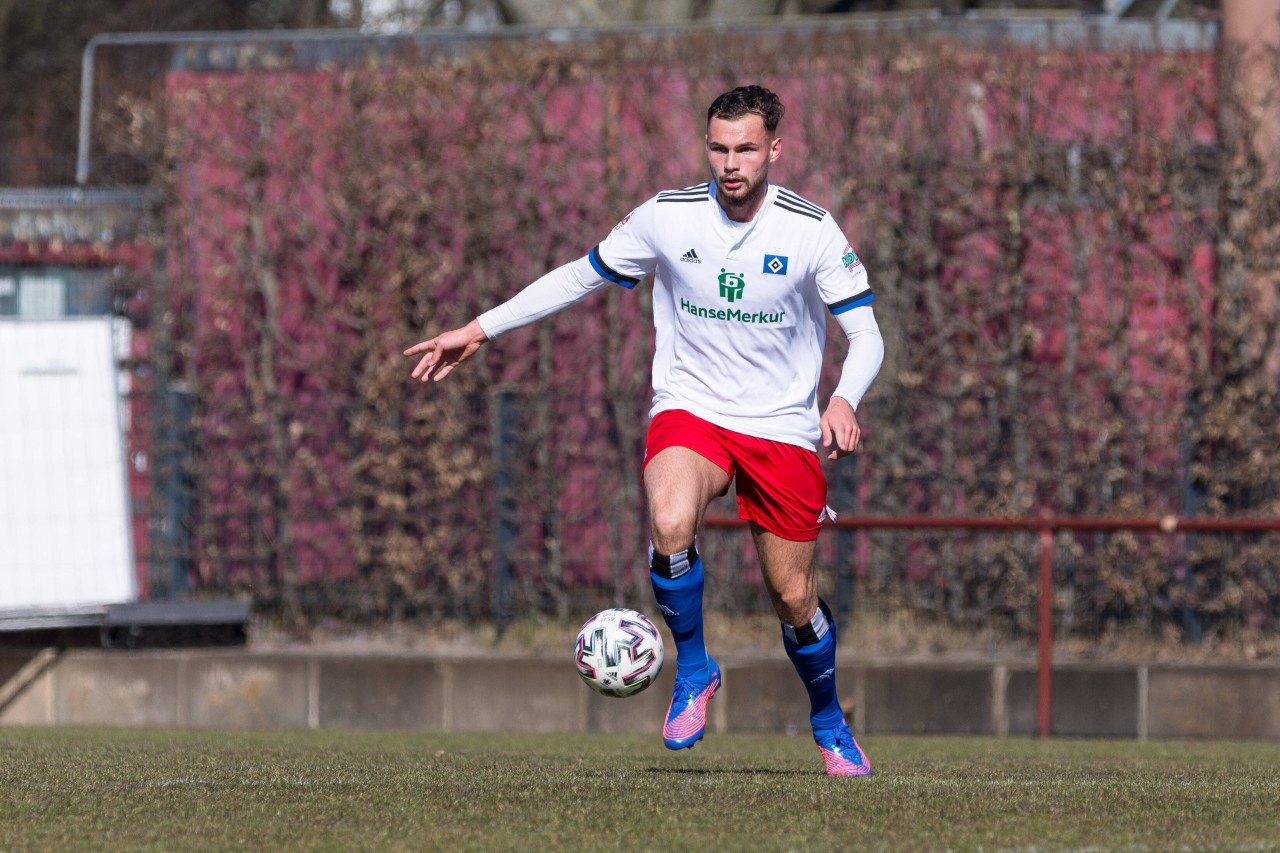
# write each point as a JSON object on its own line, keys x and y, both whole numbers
{"x": 69, "y": 789}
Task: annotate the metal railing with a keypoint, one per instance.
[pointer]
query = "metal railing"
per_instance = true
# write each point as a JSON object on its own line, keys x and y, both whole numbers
{"x": 297, "y": 47}
{"x": 1045, "y": 527}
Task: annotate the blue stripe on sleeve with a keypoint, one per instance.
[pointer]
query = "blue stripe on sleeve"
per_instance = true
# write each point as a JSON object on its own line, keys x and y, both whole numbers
{"x": 608, "y": 272}
{"x": 864, "y": 298}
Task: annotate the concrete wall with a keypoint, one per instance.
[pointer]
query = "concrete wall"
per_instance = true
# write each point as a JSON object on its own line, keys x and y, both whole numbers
{"x": 236, "y": 688}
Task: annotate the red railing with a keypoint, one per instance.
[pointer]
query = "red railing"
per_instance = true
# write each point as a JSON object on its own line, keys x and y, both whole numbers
{"x": 1045, "y": 527}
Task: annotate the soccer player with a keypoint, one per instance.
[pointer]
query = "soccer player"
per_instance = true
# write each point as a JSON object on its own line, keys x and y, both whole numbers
{"x": 745, "y": 273}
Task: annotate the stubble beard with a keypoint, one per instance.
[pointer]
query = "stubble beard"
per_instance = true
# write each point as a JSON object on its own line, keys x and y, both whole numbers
{"x": 748, "y": 193}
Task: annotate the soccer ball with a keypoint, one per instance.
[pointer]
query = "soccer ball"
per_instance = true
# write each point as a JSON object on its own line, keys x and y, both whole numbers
{"x": 618, "y": 652}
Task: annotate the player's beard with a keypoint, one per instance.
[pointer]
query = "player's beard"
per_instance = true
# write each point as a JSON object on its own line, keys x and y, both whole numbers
{"x": 745, "y": 195}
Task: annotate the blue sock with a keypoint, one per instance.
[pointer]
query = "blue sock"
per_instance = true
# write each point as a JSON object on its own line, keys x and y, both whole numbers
{"x": 677, "y": 586}
{"x": 812, "y": 650}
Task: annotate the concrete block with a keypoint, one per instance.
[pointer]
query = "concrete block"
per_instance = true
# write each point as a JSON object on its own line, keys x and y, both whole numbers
{"x": 233, "y": 688}
{"x": 1087, "y": 701}
{"x": 13, "y": 660}
{"x": 1218, "y": 702}
{"x": 245, "y": 691}
{"x": 26, "y": 686}
{"x": 765, "y": 697}
{"x": 927, "y": 699}
{"x": 514, "y": 695}
{"x": 33, "y": 706}
{"x": 108, "y": 689}
{"x": 381, "y": 693}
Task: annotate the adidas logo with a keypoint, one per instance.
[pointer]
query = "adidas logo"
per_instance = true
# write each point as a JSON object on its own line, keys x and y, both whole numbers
{"x": 691, "y": 257}
{"x": 823, "y": 677}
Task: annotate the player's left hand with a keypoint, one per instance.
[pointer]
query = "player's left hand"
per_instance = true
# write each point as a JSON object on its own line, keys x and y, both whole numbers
{"x": 840, "y": 430}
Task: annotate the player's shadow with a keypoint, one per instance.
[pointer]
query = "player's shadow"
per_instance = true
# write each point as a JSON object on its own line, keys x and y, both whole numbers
{"x": 727, "y": 771}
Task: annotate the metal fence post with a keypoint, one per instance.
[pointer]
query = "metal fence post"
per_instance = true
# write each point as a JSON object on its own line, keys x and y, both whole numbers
{"x": 171, "y": 479}
{"x": 1044, "y": 670}
{"x": 845, "y": 550}
{"x": 505, "y": 433}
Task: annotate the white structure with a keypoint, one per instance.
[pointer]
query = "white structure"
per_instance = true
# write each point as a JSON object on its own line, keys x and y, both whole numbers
{"x": 64, "y": 515}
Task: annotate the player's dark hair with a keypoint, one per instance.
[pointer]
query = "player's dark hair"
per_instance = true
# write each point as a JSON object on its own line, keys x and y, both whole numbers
{"x": 745, "y": 100}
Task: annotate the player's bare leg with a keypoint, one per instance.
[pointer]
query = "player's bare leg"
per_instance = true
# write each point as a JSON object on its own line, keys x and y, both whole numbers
{"x": 680, "y": 484}
{"x": 787, "y": 566}
{"x": 809, "y": 637}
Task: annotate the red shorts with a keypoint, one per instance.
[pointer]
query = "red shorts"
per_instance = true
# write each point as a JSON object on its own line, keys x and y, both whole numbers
{"x": 780, "y": 486}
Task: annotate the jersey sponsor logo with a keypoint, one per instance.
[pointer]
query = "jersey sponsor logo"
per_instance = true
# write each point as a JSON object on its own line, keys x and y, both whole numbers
{"x": 691, "y": 257}
{"x": 731, "y": 285}
{"x": 775, "y": 264}
{"x": 734, "y": 315}
{"x": 850, "y": 259}
{"x": 624, "y": 221}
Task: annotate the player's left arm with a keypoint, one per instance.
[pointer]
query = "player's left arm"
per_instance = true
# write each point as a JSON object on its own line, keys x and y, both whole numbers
{"x": 842, "y": 283}
{"x": 840, "y": 429}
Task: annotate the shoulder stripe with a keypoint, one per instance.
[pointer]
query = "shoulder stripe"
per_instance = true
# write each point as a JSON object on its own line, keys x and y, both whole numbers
{"x": 866, "y": 297}
{"x": 800, "y": 210}
{"x": 798, "y": 201}
{"x": 693, "y": 190}
{"x": 606, "y": 271}
{"x": 698, "y": 193}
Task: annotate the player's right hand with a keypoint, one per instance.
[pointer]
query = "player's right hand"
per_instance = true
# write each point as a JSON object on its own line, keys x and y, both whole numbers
{"x": 446, "y": 351}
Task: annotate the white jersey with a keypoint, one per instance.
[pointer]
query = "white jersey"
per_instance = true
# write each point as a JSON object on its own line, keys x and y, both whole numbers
{"x": 739, "y": 308}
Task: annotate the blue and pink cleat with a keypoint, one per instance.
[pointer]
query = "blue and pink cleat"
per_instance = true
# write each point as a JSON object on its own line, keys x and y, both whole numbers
{"x": 841, "y": 752}
{"x": 687, "y": 714}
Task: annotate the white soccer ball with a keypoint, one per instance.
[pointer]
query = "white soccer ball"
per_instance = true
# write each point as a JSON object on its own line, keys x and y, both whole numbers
{"x": 618, "y": 652}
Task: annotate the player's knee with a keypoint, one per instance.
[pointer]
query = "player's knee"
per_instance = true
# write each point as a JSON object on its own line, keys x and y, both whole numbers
{"x": 796, "y": 606}
{"x": 670, "y": 531}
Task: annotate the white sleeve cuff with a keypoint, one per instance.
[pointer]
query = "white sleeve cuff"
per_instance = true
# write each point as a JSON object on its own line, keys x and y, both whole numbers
{"x": 866, "y": 353}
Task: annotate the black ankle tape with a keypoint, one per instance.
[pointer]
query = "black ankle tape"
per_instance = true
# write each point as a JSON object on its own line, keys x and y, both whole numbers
{"x": 660, "y": 564}
{"x": 806, "y": 634}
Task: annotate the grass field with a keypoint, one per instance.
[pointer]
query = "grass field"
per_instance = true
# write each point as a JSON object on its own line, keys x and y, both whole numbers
{"x": 68, "y": 789}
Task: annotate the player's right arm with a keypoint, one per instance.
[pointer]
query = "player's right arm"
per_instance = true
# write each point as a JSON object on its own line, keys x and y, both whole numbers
{"x": 558, "y": 289}
{"x": 564, "y": 286}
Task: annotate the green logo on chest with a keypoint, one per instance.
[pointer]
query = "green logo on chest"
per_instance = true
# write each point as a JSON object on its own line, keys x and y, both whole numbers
{"x": 731, "y": 285}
